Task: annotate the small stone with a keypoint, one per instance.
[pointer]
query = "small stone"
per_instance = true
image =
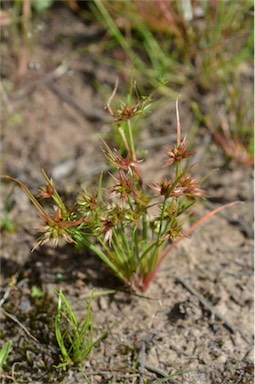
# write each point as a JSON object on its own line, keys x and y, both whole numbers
{"x": 103, "y": 303}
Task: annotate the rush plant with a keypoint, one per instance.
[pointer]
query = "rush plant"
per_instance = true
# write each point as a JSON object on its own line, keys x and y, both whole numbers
{"x": 129, "y": 225}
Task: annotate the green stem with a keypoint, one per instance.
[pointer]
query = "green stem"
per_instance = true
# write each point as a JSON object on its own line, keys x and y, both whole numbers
{"x": 162, "y": 218}
{"x": 178, "y": 126}
{"x": 130, "y": 203}
{"x": 135, "y": 247}
{"x": 173, "y": 218}
{"x": 131, "y": 141}
{"x": 104, "y": 258}
{"x": 31, "y": 197}
{"x": 153, "y": 259}
{"x": 125, "y": 243}
{"x": 56, "y": 196}
{"x": 145, "y": 230}
{"x": 177, "y": 169}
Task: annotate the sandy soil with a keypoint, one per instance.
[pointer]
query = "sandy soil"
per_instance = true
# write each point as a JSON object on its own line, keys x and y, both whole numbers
{"x": 197, "y": 316}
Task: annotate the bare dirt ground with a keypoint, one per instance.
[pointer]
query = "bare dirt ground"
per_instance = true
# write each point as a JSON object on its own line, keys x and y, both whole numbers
{"x": 196, "y": 317}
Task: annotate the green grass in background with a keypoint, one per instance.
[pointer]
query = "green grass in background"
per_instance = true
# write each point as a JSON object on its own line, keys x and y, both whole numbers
{"x": 174, "y": 45}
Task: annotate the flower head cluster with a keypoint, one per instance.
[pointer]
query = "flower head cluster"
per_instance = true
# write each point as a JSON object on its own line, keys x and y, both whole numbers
{"x": 56, "y": 228}
{"x": 47, "y": 191}
{"x": 118, "y": 161}
{"x": 191, "y": 187}
{"x": 187, "y": 186}
{"x": 88, "y": 201}
{"x": 166, "y": 188}
{"x": 177, "y": 152}
{"x": 108, "y": 223}
{"x": 123, "y": 187}
{"x": 173, "y": 232}
{"x": 127, "y": 110}
{"x": 107, "y": 229}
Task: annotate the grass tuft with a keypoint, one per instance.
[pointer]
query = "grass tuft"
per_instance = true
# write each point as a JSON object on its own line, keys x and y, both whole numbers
{"x": 74, "y": 338}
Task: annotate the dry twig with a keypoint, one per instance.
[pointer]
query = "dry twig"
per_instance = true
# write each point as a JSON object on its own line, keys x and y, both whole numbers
{"x": 19, "y": 323}
{"x": 205, "y": 304}
{"x": 87, "y": 111}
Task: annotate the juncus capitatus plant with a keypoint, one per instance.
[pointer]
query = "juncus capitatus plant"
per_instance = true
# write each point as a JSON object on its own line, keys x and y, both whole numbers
{"x": 116, "y": 222}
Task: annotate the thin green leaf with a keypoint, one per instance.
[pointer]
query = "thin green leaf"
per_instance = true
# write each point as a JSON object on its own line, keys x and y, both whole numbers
{"x": 30, "y": 195}
{"x": 166, "y": 378}
{"x": 56, "y": 196}
{"x": 4, "y": 352}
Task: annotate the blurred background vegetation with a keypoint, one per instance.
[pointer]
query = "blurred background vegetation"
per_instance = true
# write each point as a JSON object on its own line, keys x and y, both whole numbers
{"x": 196, "y": 48}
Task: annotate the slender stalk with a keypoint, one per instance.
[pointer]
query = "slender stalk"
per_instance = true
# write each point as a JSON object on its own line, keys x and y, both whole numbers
{"x": 154, "y": 258}
{"x": 31, "y": 197}
{"x": 177, "y": 169}
{"x": 125, "y": 242}
{"x": 135, "y": 246}
{"x": 173, "y": 218}
{"x": 105, "y": 259}
{"x": 178, "y": 126}
{"x": 144, "y": 230}
{"x": 99, "y": 189}
{"x": 162, "y": 218}
{"x": 130, "y": 203}
{"x": 26, "y": 21}
{"x": 56, "y": 196}
{"x": 108, "y": 105}
{"x": 131, "y": 141}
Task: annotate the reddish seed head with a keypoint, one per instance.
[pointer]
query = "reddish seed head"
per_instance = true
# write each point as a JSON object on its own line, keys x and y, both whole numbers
{"x": 56, "y": 227}
{"x": 89, "y": 201}
{"x": 118, "y": 161}
{"x": 107, "y": 228}
{"x": 166, "y": 189}
{"x": 122, "y": 187}
{"x": 177, "y": 153}
{"x": 162, "y": 188}
{"x": 47, "y": 191}
{"x": 173, "y": 232}
{"x": 190, "y": 187}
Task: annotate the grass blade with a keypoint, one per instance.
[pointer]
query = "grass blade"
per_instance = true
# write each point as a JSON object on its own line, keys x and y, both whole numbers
{"x": 4, "y": 352}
